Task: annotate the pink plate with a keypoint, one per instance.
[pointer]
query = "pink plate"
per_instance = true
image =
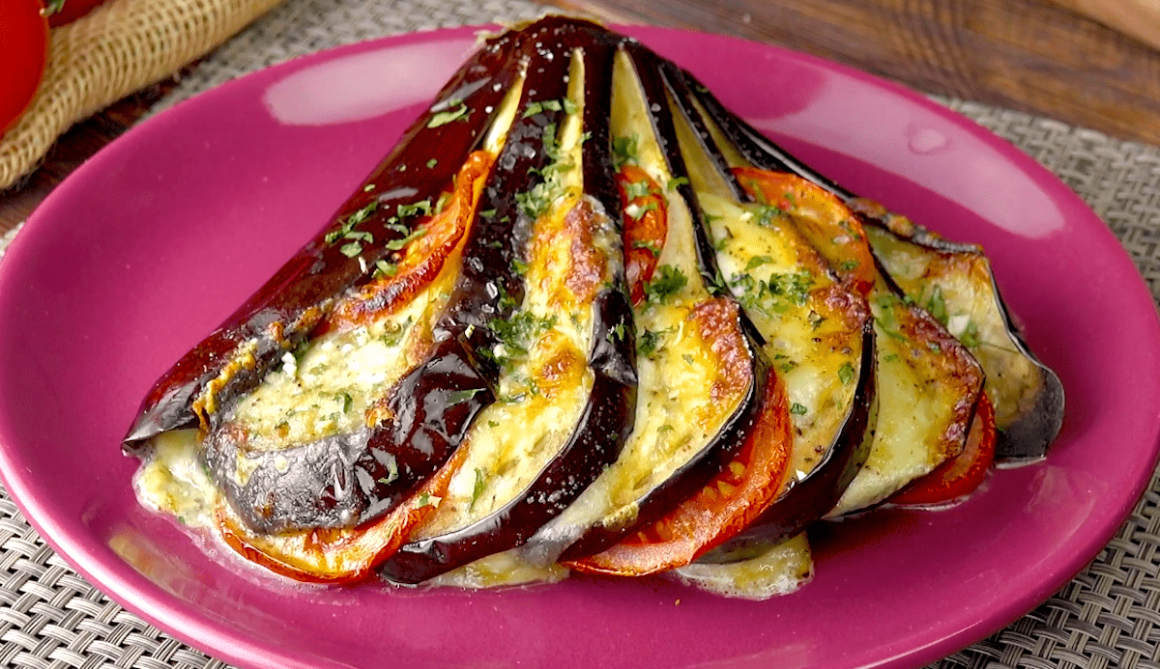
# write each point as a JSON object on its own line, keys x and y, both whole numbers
{"x": 154, "y": 241}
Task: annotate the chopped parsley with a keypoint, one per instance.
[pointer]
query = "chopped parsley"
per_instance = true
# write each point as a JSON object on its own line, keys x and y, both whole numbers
{"x": 384, "y": 269}
{"x": 676, "y": 182}
{"x": 667, "y": 282}
{"x": 478, "y": 488}
{"x": 846, "y": 373}
{"x": 624, "y": 150}
{"x": 565, "y": 105}
{"x": 775, "y": 295}
{"x": 970, "y": 336}
{"x": 798, "y": 409}
{"x": 432, "y": 163}
{"x": 461, "y": 396}
{"x": 349, "y": 224}
{"x": 651, "y": 246}
{"x": 459, "y": 113}
{"x": 637, "y": 189}
{"x": 423, "y": 207}
{"x": 398, "y": 244}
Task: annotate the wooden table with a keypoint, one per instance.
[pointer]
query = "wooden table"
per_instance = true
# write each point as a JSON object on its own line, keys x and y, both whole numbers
{"x": 1036, "y": 56}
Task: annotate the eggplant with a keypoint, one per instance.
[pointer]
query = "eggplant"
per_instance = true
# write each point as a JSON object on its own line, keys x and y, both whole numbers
{"x": 1029, "y": 398}
{"x": 816, "y": 323}
{"x": 955, "y": 284}
{"x": 374, "y": 281}
{"x": 701, "y": 373}
{"x": 568, "y": 384}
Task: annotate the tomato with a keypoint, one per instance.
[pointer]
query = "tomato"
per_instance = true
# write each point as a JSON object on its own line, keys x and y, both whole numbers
{"x": 646, "y": 225}
{"x": 69, "y": 10}
{"x": 23, "y": 55}
{"x": 962, "y": 475}
{"x": 820, "y": 217}
{"x": 722, "y": 508}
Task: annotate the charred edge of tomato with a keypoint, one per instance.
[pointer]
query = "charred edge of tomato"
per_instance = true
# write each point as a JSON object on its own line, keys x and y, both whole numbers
{"x": 758, "y": 149}
{"x": 320, "y": 271}
{"x": 807, "y": 500}
{"x": 600, "y": 435}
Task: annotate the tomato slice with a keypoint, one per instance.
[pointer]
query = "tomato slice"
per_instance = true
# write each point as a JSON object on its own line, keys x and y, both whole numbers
{"x": 646, "y": 225}
{"x": 820, "y": 216}
{"x": 395, "y": 284}
{"x": 23, "y": 54}
{"x": 721, "y": 509}
{"x": 959, "y": 476}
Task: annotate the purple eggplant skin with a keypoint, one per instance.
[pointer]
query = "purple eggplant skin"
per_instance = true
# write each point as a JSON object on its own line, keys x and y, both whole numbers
{"x": 609, "y": 411}
{"x": 723, "y": 447}
{"x": 1026, "y": 439}
{"x": 1029, "y": 436}
{"x": 283, "y": 312}
{"x": 346, "y": 479}
{"x": 809, "y": 499}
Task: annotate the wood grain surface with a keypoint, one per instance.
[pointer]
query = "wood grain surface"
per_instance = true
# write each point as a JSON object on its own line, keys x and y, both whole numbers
{"x": 1044, "y": 57}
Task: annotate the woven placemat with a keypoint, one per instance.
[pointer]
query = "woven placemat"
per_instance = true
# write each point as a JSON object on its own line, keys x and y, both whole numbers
{"x": 1108, "y": 616}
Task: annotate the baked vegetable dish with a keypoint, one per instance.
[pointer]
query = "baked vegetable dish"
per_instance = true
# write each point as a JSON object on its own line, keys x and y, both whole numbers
{"x": 584, "y": 318}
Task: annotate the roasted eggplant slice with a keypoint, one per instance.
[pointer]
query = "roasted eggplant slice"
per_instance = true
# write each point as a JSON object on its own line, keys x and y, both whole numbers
{"x": 701, "y": 375}
{"x": 1028, "y": 396}
{"x": 955, "y": 284}
{"x": 816, "y": 325}
{"x": 567, "y": 387}
{"x": 283, "y": 312}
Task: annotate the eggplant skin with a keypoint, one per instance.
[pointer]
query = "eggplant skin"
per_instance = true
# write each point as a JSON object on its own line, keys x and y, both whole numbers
{"x": 344, "y": 479}
{"x": 597, "y": 440}
{"x": 282, "y": 313}
{"x": 808, "y": 500}
{"x": 955, "y": 282}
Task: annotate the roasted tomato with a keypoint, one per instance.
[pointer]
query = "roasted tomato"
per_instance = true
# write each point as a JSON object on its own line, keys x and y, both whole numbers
{"x": 959, "y": 477}
{"x": 644, "y": 236}
{"x": 23, "y": 52}
{"x": 721, "y": 509}
{"x": 813, "y": 211}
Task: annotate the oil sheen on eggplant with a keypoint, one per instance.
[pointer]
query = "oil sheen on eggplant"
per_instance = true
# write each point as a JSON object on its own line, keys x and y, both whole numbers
{"x": 566, "y": 354}
{"x": 701, "y": 374}
{"x": 385, "y": 398}
{"x": 468, "y": 378}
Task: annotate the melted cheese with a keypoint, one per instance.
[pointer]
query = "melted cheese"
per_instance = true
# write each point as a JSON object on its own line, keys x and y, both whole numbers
{"x": 815, "y": 347}
{"x": 972, "y": 314}
{"x": 543, "y": 394}
{"x": 920, "y": 393}
{"x": 779, "y": 570}
{"x": 173, "y": 479}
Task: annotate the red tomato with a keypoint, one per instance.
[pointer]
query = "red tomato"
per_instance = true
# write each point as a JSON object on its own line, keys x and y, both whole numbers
{"x": 722, "y": 508}
{"x": 70, "y": 10}
{"x": 959, "y": 476}
{"x": 646, "y": 225}
{"x": 23, "y": 54}
{"x": 820, "y": 217}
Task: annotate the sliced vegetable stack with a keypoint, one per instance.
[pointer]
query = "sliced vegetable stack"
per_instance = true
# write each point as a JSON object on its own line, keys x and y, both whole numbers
{"x": 584, "y": 318}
